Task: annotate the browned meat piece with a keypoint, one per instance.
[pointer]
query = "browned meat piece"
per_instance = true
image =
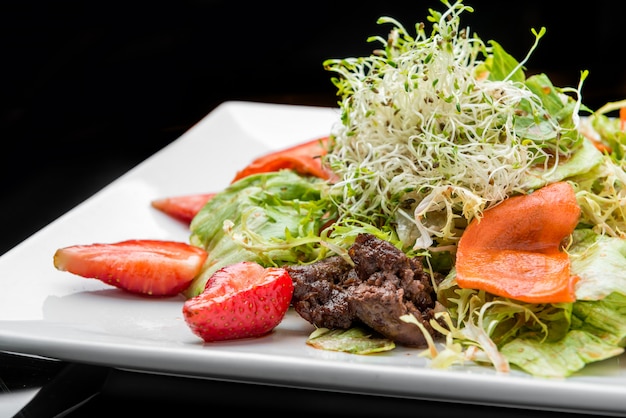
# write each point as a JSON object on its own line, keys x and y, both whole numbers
{"x": 320, "y": 293}
{"x": 383, "y": 285}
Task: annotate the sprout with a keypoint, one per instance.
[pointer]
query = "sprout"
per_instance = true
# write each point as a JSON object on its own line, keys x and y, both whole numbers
{"x": 427, "y": 139}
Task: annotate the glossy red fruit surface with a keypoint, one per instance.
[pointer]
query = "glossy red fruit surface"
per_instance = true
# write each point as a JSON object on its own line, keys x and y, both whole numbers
{"x": 148, "y": 267}
{"x": 243, "y": 300}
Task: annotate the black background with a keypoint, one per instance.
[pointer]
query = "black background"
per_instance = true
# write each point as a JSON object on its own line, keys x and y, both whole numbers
{"x": 90, "y": 89}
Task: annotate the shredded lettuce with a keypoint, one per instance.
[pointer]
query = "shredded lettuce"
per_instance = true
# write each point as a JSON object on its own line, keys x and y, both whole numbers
{"x": 549, "y": 340}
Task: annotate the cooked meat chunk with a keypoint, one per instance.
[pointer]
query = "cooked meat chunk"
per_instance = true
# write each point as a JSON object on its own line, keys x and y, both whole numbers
{"x": 383, "y": 285}
{"x": 320, "y": 294}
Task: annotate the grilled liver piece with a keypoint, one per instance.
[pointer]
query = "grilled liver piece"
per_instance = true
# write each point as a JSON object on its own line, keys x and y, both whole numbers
{"x": 383, "y": 285}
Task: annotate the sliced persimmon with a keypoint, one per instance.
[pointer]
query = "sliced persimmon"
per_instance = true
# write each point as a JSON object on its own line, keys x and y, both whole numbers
{"x": 515, "y": 249}
{"x": 304, "y": 158}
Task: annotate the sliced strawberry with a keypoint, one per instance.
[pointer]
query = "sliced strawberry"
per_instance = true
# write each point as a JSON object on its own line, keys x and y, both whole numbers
{"x": 304, "y": 158}
{"x": 243, "y": 300}
{"x": 148, "y": 267}
{"x": 183, "y": 208}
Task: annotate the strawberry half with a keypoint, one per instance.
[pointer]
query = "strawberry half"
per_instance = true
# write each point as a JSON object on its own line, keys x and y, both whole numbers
{"x": 183, "y": 208}
{"x": 243, "y": 300}
{"x": 147, "y": 267}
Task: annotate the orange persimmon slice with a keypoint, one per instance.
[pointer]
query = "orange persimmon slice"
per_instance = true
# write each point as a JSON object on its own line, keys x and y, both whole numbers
{"x": 514, "y": 250}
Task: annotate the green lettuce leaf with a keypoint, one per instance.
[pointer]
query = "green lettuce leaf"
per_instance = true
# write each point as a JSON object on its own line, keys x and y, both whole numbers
{"x": 606, "y": 318}
{"x": 561, "y": 358}
{"x": 610, "y": 131}
{"x": 355, "y": 340}
{"x": 501, "y": 65}
{"x": 271, "y": 218}
{"x": 598, "y": 332}
{"x": 600, "y": 262}
{"x": 584, "y": 160}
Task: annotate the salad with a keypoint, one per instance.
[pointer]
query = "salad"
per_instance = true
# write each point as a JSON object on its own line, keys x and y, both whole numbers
{"x": 507, "y": 188}
{"x": 437, "y": 129}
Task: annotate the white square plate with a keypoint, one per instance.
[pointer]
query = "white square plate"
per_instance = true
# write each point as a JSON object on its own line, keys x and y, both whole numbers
{"x": 55, "y": 314}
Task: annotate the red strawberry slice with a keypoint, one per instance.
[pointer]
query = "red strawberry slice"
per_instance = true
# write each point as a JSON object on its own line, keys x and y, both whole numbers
{"x": 148, "y": 267}
{"x": 183, "y": 208}
{"x": 243, "y": 300}
{"x": 304, "y": 158}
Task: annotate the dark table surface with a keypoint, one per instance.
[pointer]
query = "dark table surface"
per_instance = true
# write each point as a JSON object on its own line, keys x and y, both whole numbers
{"x": 96, "y": 87}
{"x": 60, "y": 389}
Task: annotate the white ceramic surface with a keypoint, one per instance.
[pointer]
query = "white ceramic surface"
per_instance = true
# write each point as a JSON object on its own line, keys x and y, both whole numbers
{"x": 58, "y": 315}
